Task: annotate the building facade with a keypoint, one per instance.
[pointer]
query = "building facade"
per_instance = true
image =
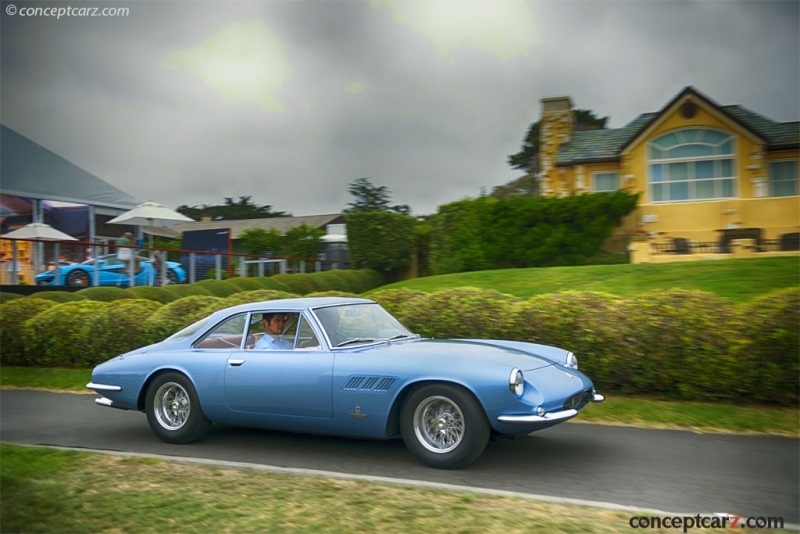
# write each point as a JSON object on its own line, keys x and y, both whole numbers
{"x": 704, "y": 172}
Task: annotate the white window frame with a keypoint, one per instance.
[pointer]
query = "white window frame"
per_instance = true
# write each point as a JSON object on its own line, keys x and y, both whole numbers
{"x": 596, "y": 176}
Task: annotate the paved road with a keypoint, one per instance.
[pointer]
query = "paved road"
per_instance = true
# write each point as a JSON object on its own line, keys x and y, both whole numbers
{"x": 670, "y": 470}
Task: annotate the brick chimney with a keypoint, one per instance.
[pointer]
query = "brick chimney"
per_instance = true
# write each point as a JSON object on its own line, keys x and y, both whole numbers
{"x": 556, "y": 126}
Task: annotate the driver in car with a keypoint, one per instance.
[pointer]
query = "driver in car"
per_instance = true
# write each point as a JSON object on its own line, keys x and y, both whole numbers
{"x": 273, "y": 332}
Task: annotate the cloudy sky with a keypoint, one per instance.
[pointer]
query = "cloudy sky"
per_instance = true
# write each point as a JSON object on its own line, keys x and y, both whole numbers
{"x": 289, "y": 101}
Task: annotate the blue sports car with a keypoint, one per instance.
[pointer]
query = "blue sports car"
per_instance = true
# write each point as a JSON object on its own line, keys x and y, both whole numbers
{"x": 346, "y": 367}
{"x": 111, "y": 272}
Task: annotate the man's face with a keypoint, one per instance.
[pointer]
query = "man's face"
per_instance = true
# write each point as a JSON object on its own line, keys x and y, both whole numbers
{"x": 274, "y": 326}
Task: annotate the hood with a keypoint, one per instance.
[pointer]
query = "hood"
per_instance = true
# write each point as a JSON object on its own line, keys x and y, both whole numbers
{"x": 464, "y": 349}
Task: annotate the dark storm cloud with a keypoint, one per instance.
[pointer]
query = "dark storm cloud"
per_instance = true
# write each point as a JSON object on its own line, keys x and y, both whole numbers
{"x": 289, "y": 101}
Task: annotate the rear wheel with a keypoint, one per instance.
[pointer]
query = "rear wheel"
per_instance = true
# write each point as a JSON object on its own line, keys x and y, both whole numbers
{"x": 173, "y": 409}
{"x": 444, "y": 426}
{"x": 172, "y": 277}
{"x": 78, "y": 278}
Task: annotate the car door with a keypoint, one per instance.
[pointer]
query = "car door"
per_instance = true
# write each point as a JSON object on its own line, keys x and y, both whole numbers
{"x": 285, "y": 382}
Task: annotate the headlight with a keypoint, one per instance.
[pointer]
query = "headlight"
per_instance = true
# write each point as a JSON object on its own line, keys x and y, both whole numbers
{"x": 572, "y": 361}
{"x": 516, "y": 382}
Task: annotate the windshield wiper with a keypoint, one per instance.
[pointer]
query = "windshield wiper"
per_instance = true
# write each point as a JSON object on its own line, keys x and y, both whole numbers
{"x": 402, "y": 336}
{"x": 356, "y": 340}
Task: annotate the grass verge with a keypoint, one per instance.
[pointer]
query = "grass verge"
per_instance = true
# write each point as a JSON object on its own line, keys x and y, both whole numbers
{"x": 635, "y": 411}
{"x": 49, "y": 490}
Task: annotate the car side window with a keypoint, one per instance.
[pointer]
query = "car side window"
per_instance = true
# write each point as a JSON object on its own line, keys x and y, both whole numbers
{"x": 228, "y": 335}
{"x": 306, "y": 338}
{"x": 273, "y": 330}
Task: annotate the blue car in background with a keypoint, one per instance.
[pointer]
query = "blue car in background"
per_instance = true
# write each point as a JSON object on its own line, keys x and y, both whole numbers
{"x": 111, "y": 272}
{"x": 344, "y": 367}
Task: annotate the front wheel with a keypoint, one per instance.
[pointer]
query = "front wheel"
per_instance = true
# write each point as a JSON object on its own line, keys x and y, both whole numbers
{"x": 173, "y": 409}
{"x": 78, "y": 278}
{"x": 444, "y": 426}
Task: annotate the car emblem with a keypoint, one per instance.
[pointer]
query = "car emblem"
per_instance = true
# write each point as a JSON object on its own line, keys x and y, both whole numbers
{"x": 357, "y": 413}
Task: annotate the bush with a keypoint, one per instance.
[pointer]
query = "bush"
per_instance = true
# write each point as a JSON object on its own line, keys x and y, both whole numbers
{"x": 398, "y": 301}
{"x": 245, "y": 297}
{"x": 5, "y": 296}
{"x": 768, "y": 353}
{"x": 187, "y": 290}
{"x": 13, "y": 315}
{"x": 467, "y": 312}
{"x": 59, "y": 336}
{"x": 583, "y": 322}
{"x": 56, "y": 296}
{"x": 219, "y": 288}
{"x": 103, "y": 293}
{"x": 177, "y": 315}
{"x": 118, "y": 330}
{"x": 298, "y": 285}
{"x": 269, "y": 282}
{"x": 157, "y": 294}
{"x": 332, "y": 293}
{"x": 679, "y": 343}
{"x": 332, "y": 281}
{"x": 245, "y": 283}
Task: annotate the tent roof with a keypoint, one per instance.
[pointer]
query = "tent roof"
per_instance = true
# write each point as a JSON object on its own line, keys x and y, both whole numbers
{"x": 30, "y": 170}
{"x": 281, "y": 224}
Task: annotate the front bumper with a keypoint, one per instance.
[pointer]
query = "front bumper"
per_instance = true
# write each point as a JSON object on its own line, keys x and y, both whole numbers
{"x": 551, "y": 417}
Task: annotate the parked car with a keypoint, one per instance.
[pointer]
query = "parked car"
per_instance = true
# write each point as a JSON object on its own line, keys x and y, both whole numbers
{"x": 349, "y": 369}
{"x": 111, "y": 272}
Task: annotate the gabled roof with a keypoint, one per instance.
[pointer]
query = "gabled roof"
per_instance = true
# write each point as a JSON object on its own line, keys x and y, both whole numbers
{"x": 30, "y": 170}
{"x": 600, "y": 146}
{"x": 281, "y": 224}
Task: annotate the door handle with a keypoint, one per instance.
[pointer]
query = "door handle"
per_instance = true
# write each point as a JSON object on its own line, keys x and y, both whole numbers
{"x": 236, "y": 361}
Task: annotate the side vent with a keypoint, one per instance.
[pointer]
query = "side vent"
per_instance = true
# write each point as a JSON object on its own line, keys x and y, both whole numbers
{"x": 379, "y": 384}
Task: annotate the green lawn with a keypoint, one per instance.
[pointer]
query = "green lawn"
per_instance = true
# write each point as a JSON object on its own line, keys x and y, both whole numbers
{"x": 737, "y": 280}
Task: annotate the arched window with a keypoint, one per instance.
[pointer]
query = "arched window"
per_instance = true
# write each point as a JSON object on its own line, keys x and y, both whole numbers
{"x": 691, "y": 164}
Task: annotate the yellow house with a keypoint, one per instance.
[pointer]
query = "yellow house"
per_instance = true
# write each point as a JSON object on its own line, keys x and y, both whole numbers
{"x": 707, "y": 175}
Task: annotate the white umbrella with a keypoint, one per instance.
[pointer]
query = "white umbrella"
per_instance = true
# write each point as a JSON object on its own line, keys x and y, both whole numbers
{"x": 41, "y": 232}
{"x": 151, "y": 214}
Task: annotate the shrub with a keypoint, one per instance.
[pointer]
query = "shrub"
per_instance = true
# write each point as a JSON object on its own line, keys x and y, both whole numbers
{"x": 679, "y": 343}
{"x": 177, "y": 315}
{"x": 245, "y": 283}
{"x": 5, "y": 296}
{"x": 13, "y": 315}
{"x": 245, "y": 297}
{"x": 332, "y": 281}
{"x": 332, "y": 293}
{"x": 467, "y": 312}
{"x": 219, "y": 288}
{"x": 57, "y": 296}
{"x": 104, "y": 293}
{"x": 118, "y": 330}
{"x": 59, "y": 335}
{"x": 768, "y": 353}
{"x": 584, "y": 322}
{"x": 158, "y": 294}
{"x": 297, "y": 284}
{"x": 269, "y": 282}
{"x": 398, "y": 301}
{"x": 187, "y": 290}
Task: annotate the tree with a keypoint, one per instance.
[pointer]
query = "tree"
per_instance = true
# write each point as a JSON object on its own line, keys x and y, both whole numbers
{"x": 527, "y": 159}
{"x": 260, "y": 241}
{"x": 304, "y": 241}
{"x": 231, "y": 210}
{"x": 371, "y": 198}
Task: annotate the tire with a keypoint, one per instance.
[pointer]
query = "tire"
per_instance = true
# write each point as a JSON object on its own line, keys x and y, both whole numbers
{"x": 444, "y": 426}
{"x": 173, "y": 409}
{"x": 78, "y": 278}
{"x": 172, "y": 277}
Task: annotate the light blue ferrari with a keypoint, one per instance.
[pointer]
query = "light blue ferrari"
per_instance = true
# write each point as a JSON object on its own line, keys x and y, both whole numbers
{"x": 111, "y": 272}
{"x": 345, "y": 367}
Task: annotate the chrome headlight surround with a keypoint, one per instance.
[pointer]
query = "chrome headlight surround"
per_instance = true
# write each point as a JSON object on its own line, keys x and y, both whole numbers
{"x": 572, "y": 361}
{"x": 516, "y": 382}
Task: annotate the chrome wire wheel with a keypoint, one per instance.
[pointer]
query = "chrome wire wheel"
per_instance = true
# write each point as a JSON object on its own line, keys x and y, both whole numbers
{"x": 172, "y": 406}
{"x": 439, "y": 424}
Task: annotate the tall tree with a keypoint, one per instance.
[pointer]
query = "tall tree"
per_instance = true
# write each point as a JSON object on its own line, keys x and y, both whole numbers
{"x": 231, "y": 210}
{"x": 527, "y": 159}
{"x": 370, "y": 198}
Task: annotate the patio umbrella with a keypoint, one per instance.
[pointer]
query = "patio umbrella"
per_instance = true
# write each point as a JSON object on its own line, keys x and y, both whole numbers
{"x": 41, "y": 232}
{"x": 150, "y": 214}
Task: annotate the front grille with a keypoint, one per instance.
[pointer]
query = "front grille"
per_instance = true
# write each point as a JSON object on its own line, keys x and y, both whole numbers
{"x": 579, "y": 400}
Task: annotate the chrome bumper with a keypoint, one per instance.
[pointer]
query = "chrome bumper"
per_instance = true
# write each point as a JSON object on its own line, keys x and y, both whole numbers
{"x": 547, "y": 417}
{"x": 108, "y": 403}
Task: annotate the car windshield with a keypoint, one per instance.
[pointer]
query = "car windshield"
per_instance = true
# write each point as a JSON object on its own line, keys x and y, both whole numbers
{"x": 354, "y": 324}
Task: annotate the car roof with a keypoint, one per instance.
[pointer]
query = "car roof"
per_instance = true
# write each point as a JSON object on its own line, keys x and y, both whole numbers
{"x": 295, "y": 304}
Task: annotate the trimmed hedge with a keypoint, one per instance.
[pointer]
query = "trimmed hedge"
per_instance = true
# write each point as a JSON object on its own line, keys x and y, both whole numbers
{"x": 56, "y": 296}
{"x": 244, "y": 283}
{"x": 5, "y": 296}
{"x": 677, "y": 344}
{"x": 13, "y": 315}
{"x": 158, "y": 294}
{"x": 104, "y": 293}
{"x": 219, "y": 288}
